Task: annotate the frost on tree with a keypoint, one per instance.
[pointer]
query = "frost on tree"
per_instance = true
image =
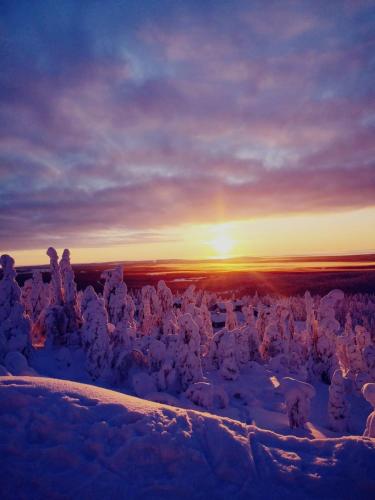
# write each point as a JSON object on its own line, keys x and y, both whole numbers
{"x": 369, "y": 358}
{"x": 162, "y": 362}
{"x": 26, "y": 297}
{"x": 69, "y": 293}
{"x": 150, "y": 316}
{"x": 53, "y": 322}
{"x": 188, "y": 360}
{"x": 56, "y": 284}
{"x": 368, "y": 391}
{"x": 338, "y": 406}
{"x": 298, "y": 397}
{"x": 114, "y": 294}
{"x": 95, "y": 333}
{"x": 165, "y": 297}
{"x": 242, "y": 345}
{"x": 39, "y": 298}
{"x": 14, "y": 324}
{"x": 231, "y": 318}
{"x": 189, "y": 298}
{"x": 207, "y": 395}
{"x": 324, "y": 359}
{"x": 205, "y": 325}
{"x": 223, "y": 354}
{"x": 272, "y": 344}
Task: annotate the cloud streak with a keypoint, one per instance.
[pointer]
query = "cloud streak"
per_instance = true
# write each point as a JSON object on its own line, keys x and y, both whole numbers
{"x": 118, "y": 121}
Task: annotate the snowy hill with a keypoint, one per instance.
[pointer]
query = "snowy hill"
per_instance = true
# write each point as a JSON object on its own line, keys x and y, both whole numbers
{"x": 61, "y": 439}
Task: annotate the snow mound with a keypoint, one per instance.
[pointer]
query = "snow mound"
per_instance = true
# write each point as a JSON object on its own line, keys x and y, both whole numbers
{"x": 61, "y": 439}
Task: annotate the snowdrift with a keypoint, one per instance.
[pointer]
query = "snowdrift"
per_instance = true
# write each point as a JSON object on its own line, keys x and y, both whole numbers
{"x": 61, "y": 439}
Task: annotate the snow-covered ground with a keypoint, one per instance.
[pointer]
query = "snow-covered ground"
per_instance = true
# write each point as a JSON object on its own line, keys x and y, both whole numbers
{"x": 253, "y": 398}
{"x": 248, "y": 397}
{"x": 63, "y": 439}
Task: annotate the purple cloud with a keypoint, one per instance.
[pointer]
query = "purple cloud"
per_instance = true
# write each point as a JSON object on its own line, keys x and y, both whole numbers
{"x": 133, "y": 124}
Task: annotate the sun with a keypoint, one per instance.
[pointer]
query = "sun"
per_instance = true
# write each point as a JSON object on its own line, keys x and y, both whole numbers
{"x": 222, "y": 244}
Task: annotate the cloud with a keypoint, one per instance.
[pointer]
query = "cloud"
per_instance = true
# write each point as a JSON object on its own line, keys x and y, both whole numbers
{"x": 113, "y": 127}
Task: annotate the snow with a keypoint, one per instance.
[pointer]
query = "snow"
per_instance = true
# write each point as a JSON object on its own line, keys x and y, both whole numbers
{"x": 61, "y": 439}
{"x": 270, "y": 401}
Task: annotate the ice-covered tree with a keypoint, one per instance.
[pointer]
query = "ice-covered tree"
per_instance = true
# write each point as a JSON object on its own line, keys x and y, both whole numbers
{"x": 324, "y": 359}
{"x": 242, "y": 345}
{"x": 207, "y": 395}
{"x": 368, "y": 391}
{"x": 188, "y": 352}
{"x": 338, "y": 406}
{"x": 40, "y": 295}
{"x": 15, "y": 326}
{"x": 56, "y": 284}
{"x": 272, "y": 344}
{"x": 114, "y": 294}
{"x": 369, "y": 358}
{"x": 69, "y": 293}
{"x": 298, "y": 397}
{"x": 52, "y": 324}
{"x": 26, "y": 297}
{"x": 95, "y": 333}
{"x": 231, "y": 319}
{"x": 188, "y": 298}
{"x": 165, "y": 297}
{"x": 223, "y": 354}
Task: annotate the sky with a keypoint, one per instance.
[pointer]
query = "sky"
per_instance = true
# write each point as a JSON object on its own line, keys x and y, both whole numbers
{"x": 186, "y": 129}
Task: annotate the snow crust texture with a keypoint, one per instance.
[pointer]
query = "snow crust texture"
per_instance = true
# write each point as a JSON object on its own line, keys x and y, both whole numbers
{"x": 61, "y": 439}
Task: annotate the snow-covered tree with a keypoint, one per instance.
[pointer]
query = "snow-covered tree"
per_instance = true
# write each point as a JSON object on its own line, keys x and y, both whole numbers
{"x": 231, "y": 319}
{"x": 272, "y": 344}
{"x": 338, "y": 406}
{"x": 26, "y": 297}
{"x": 188, "y": 298}
{"x": 15, "y": 326}
{"x": 95, "y": 333}
{"x": 368, "y": 391}
{"x": 188, "y": 360}
{"x": 298, "y": 397}
{"x": 223, "y": 354}
{"x": 52, "y": 324}
{"x": 207, "y": 395}
{"x": 165, "y": 297}
{"x": 40, "y": 295}
{"x": 114, "y": 294}
{"x": 324, "y": 359}
{"x": 56, "y": 284}
{"x": 242, "y": 345}
{"x": 69, "y": 293}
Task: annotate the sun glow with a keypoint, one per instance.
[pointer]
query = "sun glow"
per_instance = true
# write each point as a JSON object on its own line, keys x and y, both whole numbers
{"x": 222, "y": 242}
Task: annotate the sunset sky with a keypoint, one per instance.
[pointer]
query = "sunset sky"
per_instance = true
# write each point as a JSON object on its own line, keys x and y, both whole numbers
{"x": 186, "y": 129}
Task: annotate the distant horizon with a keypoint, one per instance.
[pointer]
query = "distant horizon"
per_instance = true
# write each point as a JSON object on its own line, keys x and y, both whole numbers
{"x": 342, "y": 257}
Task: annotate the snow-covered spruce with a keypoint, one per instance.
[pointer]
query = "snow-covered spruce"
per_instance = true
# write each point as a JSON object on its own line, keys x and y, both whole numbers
{"x": 207, "y": 395}
{"x": 15, "y": 326}
{"x": 188, "y": 360}
{"x": 368, "y": 391}
{"x": 223, "y": 354}
{"x": 95, "y": 333}
{"x": 56, "y": 283}
{"x": 325, "y": 337}
{"x": 231, "y": 319}
{"x": 298, "y": 396}
{"x": 114, "y": 294}
{"x": 52, "y": 323}
{"x": 338, "y": 406}
{"x": 69, "y": 293}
